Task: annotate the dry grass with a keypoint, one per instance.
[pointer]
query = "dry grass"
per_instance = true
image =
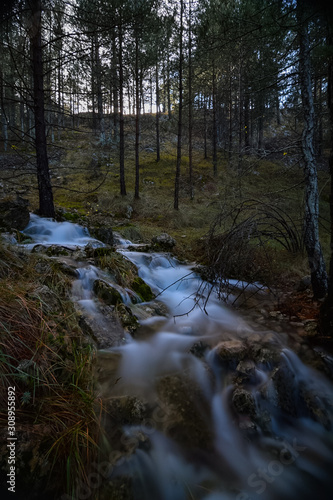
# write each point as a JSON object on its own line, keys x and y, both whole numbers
{"x": 51, "y": 369}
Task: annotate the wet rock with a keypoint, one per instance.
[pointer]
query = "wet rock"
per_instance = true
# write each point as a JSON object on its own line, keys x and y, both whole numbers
{"x": 107, "y": 293}
{"x": 14, "y": 213}
{"x": 142, "y": 289}
{"x": 231, "y": 350}
{"x": 67, "y": 269}
{"x": 39, "y": 248}
{"x": 96, "y": 252}
{"x": 127, "y": 318}
{"x": 154, "y": 308}
{"x": 243, "y": 402}
{"x": 56, "y": 250}
{"x": 198, "y": 349}
{"x": 246, "y": 368}
{"x": 264, "y": 349}
{"x": 139, "y": 248}
{"x": 126, "y": 410}
{"x": 103, "y": 234}
{"x": 163, "y": 242}
{"x": 102, "y": 331}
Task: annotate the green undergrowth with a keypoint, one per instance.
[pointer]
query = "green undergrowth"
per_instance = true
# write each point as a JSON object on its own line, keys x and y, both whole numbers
{"x": 46, "y": 358}
{"x": 86, "y": 176}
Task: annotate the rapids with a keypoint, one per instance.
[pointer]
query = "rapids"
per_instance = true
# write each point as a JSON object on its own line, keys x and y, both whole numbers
{"x": 230, "y": 411}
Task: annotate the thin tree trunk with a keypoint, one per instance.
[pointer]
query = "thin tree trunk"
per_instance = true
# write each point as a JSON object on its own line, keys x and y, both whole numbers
{"x": 230, "y": 118}
{"x": 115, "y": 86}
{"x": 190, "y": 105}
{"x": 180, "y": 110}
{"x": 101, "y": 124}
{"x": 168, "y": 85}
{"x": 214, "y": 123}
{"x": 157, "y": 112}
{"x": 137, "y": 119}
{"x": 46, "y": 206}
{"x": 3, "y": 114}
{"x": 121, "y": 114}
{"x": 311, "y": 226}
{"x": 205, "y": 128}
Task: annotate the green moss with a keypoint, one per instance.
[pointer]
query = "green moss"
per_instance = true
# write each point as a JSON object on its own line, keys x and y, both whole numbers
{"x": 142, "y": 289}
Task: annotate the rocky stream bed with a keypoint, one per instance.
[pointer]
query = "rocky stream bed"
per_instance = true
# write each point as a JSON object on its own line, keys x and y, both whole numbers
{"x": 201, "y": 401}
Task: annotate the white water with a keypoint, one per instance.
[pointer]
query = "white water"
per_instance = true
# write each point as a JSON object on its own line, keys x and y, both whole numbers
{"x": 51, "y": 232}
{"x": 287, "y": 457}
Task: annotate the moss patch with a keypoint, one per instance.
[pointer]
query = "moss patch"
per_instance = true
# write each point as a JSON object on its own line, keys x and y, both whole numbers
{"x": 142, "y": 289}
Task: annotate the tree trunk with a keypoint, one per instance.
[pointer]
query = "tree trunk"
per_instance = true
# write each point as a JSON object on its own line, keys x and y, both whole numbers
{"x": 190, "y": 105}
{"x": 205, "y": 128}
{"x": 137, "y": 119}
{"x": 214, "y": 123}
{"x": 121, "y": 114}
{"x": 326, "y": 312}
{"x": 101, "y": 124}
{"x": 46, "y": 206}
{"x": 3, "y": 114}
{"x": 180, "y": 110}
{"x": 157, "y": 112}
{"x": 311, "y": 227}
{"x": 115, "y": 86}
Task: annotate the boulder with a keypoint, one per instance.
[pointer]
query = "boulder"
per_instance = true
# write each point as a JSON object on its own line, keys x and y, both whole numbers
{"x": 107, "y": 293}
{"x": 142, "y": 289}
{"x": 243, "y": 402}
{"x": 163, "y": 241}
{"x": 103, "y": 234}
{"x": 231, "y": 350}
{"x": 14, "y": 213}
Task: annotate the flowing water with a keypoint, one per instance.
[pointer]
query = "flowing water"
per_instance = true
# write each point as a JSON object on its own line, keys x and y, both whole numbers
{"x": 226, "y": 409}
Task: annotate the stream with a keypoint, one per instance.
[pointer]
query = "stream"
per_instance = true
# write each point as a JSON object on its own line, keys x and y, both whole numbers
{"x": 222, "y": 408}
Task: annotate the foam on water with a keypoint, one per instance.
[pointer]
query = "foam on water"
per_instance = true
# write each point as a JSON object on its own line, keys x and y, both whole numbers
{"x": 50, "y": 232}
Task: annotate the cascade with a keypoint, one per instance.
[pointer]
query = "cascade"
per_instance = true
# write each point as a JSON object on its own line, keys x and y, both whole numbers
{"x": 233, "y": 412}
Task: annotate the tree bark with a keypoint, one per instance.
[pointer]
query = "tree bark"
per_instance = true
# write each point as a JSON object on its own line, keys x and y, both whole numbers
{"x": 326, "y": 312}
{"x": 214, "y": 123}
{"x": 121, "y": 114}
{"x": 311, "y": 226}
{"x": 46, "y": 205}
{"x": 137, "y": 119}
{"x": 180, "y": 111}
{"x": 190, "y": 105}
{"x": 157, "y": 112}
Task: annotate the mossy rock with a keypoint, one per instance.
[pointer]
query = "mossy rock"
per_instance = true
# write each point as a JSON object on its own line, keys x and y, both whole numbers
{"x": 54, "y": 250}
{"x": 94, "y": 253}
{"x": 127, "y": 318}
{"x": 107, "y": 293}
{"x": 142, "y": 289}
